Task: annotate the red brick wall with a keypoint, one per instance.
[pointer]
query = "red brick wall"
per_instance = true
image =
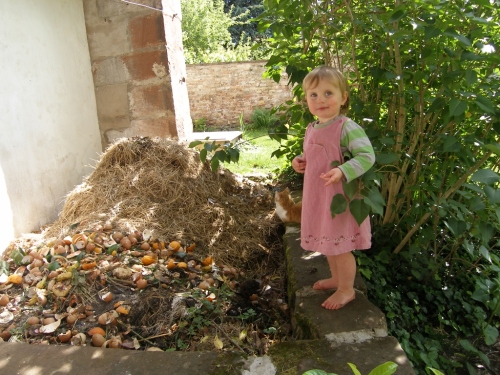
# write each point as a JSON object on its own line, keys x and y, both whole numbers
{"x": 221, "y": 92}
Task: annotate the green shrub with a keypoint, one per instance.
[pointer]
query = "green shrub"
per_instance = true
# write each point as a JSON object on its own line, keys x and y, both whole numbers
{"x": 200, "y": 125}
{"x": 425, "y": 85}
{"x": 262, "y": 118}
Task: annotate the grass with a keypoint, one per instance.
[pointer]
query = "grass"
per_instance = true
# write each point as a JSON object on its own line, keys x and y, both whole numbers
{"x": 255, "y": 154}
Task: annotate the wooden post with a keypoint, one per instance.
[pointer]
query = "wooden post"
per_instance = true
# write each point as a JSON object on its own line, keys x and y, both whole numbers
{"x": 177, "y": 67}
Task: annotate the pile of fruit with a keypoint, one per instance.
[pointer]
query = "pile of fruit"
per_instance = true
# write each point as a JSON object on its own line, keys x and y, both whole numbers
{"x": 88, "y": 289}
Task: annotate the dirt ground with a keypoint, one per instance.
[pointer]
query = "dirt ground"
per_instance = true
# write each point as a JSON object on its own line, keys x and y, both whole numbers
{"x": 153, "y": 251}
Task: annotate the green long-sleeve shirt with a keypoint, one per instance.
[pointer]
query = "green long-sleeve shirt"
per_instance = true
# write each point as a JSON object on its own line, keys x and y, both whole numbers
{"x": 355, "y": 146}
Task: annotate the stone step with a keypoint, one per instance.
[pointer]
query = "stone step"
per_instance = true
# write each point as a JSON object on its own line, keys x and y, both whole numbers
{"x": 297, "y": 357}
{"x": 358, "y": 321}
{"x": 219, "y": 137}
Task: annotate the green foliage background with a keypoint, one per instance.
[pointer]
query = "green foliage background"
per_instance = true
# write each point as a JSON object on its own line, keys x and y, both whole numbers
{"x": 424, "y": 83}
{"x": 218, "y": 31}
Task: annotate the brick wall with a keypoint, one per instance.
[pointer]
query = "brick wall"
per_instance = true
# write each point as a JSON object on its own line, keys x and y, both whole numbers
{"x": 221, "y": 92}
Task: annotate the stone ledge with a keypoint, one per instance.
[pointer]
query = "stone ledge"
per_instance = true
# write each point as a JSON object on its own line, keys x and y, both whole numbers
{"x": 297, "y": 357}
{"x": 360, "y": 324}
{"x": 358, "y": 321}
{"x": 219, "y": 137}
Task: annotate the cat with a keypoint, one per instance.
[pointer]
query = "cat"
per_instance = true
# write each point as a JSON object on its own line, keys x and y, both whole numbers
{"x": 286, "y": 209}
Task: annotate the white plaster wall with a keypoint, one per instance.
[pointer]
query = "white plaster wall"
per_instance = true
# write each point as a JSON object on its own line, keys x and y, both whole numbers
{"x": 49, "y": 136}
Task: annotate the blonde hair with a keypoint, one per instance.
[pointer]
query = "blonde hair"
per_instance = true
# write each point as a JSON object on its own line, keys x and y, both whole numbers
{"x": 332, "y": 75}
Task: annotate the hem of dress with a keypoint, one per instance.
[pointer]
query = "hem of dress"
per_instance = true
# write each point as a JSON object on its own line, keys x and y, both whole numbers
{"x": 339, "y": 251}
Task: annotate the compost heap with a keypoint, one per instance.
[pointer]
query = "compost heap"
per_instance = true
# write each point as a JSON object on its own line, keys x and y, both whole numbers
{"x": 152, "y": 250}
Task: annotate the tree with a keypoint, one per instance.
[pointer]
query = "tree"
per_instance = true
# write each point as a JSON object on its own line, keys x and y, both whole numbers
{"x": 204, "y": 28}
{"x": 245, "y": 11}
{"x": 425, "y": 84}
{"x": 206, "y": 36}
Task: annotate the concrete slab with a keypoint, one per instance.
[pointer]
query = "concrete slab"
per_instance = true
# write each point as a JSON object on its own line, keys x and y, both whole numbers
{"x": 358, "y": 321}
{"x": 218, "y": 137}
{"x": 307, "y": 355}
{"x": 26, "y": 359}
{"x": 306, "y": 267}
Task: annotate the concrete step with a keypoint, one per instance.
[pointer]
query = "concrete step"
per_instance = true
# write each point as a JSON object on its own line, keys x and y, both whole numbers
{"x": 220, "y": 137}
{"x": 304, "y": 355}
{"x": 358, "y": 321}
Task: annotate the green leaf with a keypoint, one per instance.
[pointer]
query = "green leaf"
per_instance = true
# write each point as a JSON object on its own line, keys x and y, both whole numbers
{"x": 468, "y": 346}
{"x": 468, "y": 247}
{"x": 317, "y": 372}
{"x": 431, "y": 32}
{"x": 386, "y": 368}
{"x": 357, "y": 105}
{"x": 485, "y": 253}
{"x": 210, "y": 146}
{"x": 470, "y": 56}
{"x": 350, "y": 188}
{"x": 338, "y": 204}
{"x": 492, "y": 194}
{"x": 203, "y": 155}
{"x": 470, "y": 76}
{"x": 390, "y": 75}
{"x": 195, "y": 143}
{"x": 462, "y": 39}
{"x": 214, "y": 164}
{"x": 359, "y": 210}
{"x": 457, "y": 107}
{"x": 112, "y": 248}
{"x": 484, "y": 358}
{"x": 457, "y": 227}
{"x": 490, "y": 334}
{"x": 476, "y": 204}
{"x": 354, "y": 369}
{"x": 481, "y": 295}
{"x": 234, "y": 155}
{"x": 485, "y": 104}
{"x": 73, "y": 226}
{"x": 221, "y": 155}
{"x": 17, "y": 256}
{"x": 435, "y": 371}
{"x": 388, "y": 158}
{"x": 53, "y": 266}
{"x": 451, "y": 144}
{"x": 493, "y": 147}
{"x": 375, "y": 200}
{"x": 485, "y": 176}
{"x": 397, "y": 15}
{"x": 437, "y": 105}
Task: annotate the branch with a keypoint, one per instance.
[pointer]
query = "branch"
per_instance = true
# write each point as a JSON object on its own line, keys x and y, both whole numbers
{"x": 450, "y": 191}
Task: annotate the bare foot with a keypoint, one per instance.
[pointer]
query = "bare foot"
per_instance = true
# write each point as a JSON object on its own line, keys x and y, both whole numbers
{"x": 338, "y": 300}
{"x": 325, "y": 284}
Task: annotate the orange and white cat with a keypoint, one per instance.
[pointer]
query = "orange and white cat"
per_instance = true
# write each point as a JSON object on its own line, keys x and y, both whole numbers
{"x": 286, "y": 209}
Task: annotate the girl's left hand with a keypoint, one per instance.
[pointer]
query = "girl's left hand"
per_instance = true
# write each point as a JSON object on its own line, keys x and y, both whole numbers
{"x": 332, "y": 176}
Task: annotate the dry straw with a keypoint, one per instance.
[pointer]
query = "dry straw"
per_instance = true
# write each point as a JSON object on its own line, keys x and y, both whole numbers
{"x": 162, "y": 186}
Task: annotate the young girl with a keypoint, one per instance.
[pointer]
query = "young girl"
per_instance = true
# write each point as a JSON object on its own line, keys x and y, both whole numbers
{"x": 328, "y": 140}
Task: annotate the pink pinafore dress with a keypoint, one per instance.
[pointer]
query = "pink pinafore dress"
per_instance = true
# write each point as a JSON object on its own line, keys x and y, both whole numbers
{"x": 319, "y": 232}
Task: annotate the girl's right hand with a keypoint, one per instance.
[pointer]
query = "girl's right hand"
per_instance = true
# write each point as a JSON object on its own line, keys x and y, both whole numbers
{"x": 299, "y": 164}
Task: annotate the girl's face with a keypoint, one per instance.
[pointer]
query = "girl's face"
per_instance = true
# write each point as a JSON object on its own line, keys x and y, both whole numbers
{"x": 324, "y": 100}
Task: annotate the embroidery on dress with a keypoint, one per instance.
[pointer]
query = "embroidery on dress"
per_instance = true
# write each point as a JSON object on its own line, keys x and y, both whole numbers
{"x": 336, "y": 241}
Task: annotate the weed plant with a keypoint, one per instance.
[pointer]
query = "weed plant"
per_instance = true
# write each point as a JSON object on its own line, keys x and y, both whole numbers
{"x": 261, "y": 119}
